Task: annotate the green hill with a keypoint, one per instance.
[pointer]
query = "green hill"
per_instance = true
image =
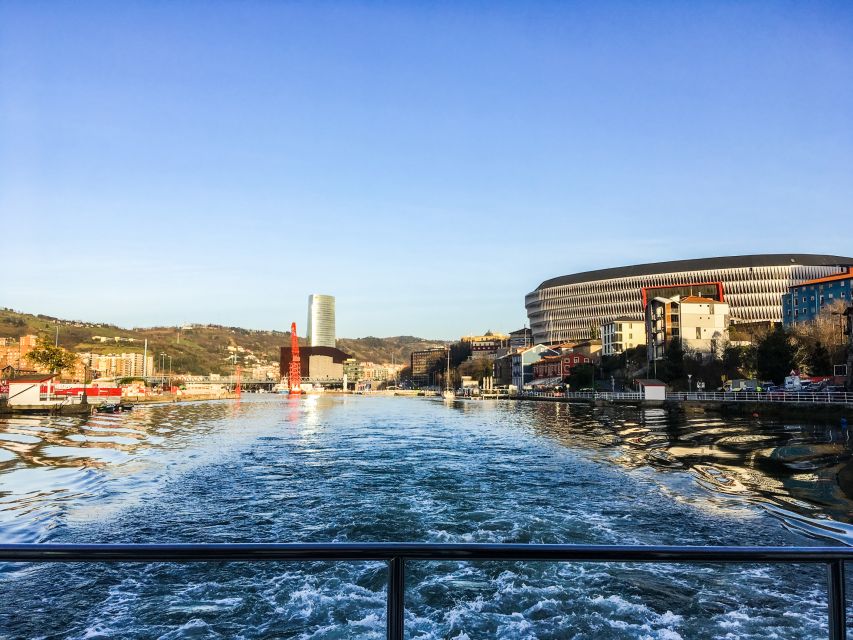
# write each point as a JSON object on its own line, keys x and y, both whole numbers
{"x": 195, "y": 349}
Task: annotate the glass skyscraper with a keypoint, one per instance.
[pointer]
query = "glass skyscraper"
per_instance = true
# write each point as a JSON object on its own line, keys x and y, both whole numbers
{"x": 321, "y": 320}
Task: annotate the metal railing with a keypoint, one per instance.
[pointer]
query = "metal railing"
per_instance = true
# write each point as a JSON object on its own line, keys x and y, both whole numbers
{"x": 765, "y": 396}
{"x": 842, "y": 398}
{"x": 398, "y": 554}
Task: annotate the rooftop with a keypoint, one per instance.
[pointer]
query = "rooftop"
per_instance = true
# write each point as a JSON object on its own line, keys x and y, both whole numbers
{"x": 839, "y": 276}
{"x": 698, "y": 300}
{"x": 701, "y": 264}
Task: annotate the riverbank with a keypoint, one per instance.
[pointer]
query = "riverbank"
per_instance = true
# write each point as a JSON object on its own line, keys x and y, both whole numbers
{"x": 827, "y": 411}
{"x": 78, "y": 409}
{"x": 169, "y": 398}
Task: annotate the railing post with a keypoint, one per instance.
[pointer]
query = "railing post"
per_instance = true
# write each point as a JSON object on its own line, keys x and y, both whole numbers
{"x": 836, "y": 600}
{"x": 396, "y": 597}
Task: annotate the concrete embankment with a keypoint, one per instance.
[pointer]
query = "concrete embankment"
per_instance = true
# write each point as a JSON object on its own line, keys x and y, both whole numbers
{"x": 77, "y": 409}
{"x": 168, "y": 398}
{"x": 819, "y": 410}
{"x": 58, "y": 409}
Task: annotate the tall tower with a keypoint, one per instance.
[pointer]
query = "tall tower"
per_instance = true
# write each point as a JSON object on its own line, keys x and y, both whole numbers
{"x": 321, "y": 320}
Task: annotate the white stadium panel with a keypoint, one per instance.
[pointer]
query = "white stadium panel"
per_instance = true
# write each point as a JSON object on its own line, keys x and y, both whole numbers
{"x": 565, "y": 308}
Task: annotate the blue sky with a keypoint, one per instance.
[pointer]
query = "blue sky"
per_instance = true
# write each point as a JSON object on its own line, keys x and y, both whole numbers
{"x": 428, "y": 164}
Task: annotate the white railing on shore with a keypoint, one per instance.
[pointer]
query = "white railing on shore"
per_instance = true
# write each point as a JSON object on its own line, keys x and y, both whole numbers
{"x": 764, "y": 396}
{"x": 710, "y": 396}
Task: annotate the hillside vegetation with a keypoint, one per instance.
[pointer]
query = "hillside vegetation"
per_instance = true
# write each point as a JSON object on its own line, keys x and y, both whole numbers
{"x": 198, "y": 349}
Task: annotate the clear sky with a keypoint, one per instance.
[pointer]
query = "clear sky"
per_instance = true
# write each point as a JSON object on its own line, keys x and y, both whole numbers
{"x": 428, "y": 164}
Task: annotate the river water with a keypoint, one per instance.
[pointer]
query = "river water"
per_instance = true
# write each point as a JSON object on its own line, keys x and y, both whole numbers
{"x": 324, "y": 469}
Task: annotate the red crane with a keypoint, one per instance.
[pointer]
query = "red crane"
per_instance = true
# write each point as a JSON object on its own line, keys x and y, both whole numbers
{"x": 295, "y": 377}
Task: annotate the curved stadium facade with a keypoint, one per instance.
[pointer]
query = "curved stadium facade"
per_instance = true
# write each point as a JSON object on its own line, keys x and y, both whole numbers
{"x": 566, "y": 308}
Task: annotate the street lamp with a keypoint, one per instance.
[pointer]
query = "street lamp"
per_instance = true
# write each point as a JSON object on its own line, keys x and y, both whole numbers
{"x": 162, "y": 367}
{"x": 83, "y": 398}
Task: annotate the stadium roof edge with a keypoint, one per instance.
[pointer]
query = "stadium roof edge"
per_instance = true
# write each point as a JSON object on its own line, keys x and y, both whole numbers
{"x": 698, "y": 264}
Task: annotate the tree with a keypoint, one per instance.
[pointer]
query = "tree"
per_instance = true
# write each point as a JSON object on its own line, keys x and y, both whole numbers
{"x": 478, "y": 368}
{"x": 581, "y": 377}
{"x": 774, "y": 355}
{"x": 53, "y": 358}
{"x": 819, "y": 362}
{"x": 594, "y": 331}
{"x": 738, "y": 361}
{"x": 673, "y": 363}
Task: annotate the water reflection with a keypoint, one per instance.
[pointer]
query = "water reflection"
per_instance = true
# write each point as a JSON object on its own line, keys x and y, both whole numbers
{"x": 800, "y": 471}
{"x": 50, "y": 463}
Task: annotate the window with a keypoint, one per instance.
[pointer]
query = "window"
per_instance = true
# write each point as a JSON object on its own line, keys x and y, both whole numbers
{"x": 698, "y": 333}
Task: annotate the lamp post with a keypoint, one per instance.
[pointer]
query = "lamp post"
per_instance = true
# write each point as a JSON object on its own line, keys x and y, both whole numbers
{"x": 83, "y": 398}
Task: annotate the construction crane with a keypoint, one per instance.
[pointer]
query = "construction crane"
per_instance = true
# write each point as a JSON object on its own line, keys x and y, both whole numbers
{"x": 295, "y": 377}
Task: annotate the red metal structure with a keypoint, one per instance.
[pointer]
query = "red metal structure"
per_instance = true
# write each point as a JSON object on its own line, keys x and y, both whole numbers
{"x": 238, "y": 379}
{"x": 295, "y": 377}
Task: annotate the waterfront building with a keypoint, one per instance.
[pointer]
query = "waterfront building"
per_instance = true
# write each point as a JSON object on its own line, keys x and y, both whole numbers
{"x": 520, "y": 339}
{"x": 591, "y": 348}
{"x": 263, "y": 372}
{"x": 487, "y": 345}
{"x": 321, "y": 320}
{"x": 380, "y": 372}
{"x": 572, "y": 307}
{"x": 111, "y": 365}
{"x": 13, "y": 352}
{"x": 803, "y": 302}
{"x": 31, "y": 390}
{"x": 522, "y": 364}
{"x": 316, "y": 364}
{"x": 849, "y": 331}
{"x": 699, "y": 324}
{"x": 423, "y": 362}
{"x": 621, "y": 334}
{"x": 554, "y": 370}
{"x": 352, "y": 370}
{"x": 502, "y": 370}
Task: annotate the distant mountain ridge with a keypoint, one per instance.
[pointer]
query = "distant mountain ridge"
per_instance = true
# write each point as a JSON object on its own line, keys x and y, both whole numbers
{"x": 197, "y": 349}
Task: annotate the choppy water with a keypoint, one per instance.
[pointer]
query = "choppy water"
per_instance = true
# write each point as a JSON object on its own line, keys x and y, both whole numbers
{"x": 387, "y": 469}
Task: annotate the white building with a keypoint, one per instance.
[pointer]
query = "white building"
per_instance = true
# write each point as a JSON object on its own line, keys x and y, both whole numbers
{"x": 699, "y": 324}
{"x": 31, "y": 390}
{"x": 321, "y": 320}
{"x": 621, "y": 334}
{"x": 126, "y": 365}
